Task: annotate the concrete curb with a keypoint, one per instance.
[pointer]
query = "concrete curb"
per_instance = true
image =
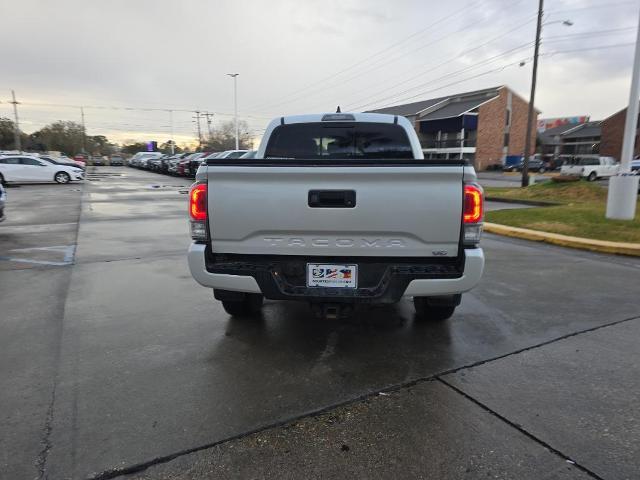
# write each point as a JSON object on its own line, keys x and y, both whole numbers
{"x": 602, "y": 246}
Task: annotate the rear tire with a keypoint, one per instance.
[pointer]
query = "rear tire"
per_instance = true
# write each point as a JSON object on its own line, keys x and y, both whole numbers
{"x": 62, "y": 177}
{"x": 249, "y": 306}
{"x": 436, "y": 309}
{"x": 593, "y": 176}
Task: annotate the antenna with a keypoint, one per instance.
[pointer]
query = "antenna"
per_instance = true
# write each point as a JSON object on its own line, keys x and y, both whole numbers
{"x": 338, "y": 109}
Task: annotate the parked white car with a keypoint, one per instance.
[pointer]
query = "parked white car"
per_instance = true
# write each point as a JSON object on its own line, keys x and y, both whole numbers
{"x": 590, "y": 167}
{"x": 33, "y": 169}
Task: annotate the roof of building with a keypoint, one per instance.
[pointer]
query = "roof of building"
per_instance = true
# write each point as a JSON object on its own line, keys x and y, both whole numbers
{"x": 588, "y": 129}
{"x": 559, "y": 130}
{"x": 582, "y": 130}
{"x": 443, "y": 107}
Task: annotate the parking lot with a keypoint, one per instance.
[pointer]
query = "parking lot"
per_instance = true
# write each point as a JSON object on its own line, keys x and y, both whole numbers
{"x": 113, "y": 361}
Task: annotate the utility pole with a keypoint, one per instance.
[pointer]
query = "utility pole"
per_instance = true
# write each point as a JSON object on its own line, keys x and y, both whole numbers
{"x": 16, "y": 126}
{"x": 623, "y": 187}
{"x": 171, "y": 126}
{"x": 84, "y": 132}
{"x": 235, "y": 105}
{"x": 209, "y": 116}
{"x": 198, "y": 126}
{"x": 532, "y": 98}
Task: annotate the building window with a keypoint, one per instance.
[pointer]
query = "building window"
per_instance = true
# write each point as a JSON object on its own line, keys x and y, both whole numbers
{"x": 508, "y": 119}
{"x": 506, "y": 139}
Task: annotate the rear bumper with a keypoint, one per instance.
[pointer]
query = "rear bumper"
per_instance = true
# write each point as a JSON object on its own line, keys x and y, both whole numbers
{"x": 387, "y": 283}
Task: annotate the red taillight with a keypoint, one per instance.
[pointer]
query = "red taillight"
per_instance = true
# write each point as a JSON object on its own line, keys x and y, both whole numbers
{"x": 473, "y": 203}
{"x": 198, "y": 202}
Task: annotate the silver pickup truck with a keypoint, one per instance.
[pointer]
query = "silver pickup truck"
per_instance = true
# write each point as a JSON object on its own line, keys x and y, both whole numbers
{"x": 334, "y": 210}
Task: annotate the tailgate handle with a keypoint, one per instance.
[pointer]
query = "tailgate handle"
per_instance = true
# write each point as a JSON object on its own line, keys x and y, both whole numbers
{"x": 332, "y": 198}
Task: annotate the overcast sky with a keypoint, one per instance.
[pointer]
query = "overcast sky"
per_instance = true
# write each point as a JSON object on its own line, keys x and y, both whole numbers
{"x": 299, "y": 56}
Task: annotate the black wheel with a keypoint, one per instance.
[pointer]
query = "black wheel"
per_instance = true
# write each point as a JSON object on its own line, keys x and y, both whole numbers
{"x": 542, "y": 170}
{"x": 62, "y": 177}
{"x": 249, "y": 306}
{"x": 592, "y": 176}
{"x": 435, "y": 308}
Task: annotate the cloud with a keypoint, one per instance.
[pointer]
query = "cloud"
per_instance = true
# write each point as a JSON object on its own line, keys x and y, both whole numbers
{"x": 296, "y": 56}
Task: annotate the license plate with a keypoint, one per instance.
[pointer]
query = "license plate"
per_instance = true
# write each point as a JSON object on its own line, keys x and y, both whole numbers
{"x": 341, "y": 276}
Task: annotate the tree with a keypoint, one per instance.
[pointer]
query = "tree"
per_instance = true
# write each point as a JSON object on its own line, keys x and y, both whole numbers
{"x": 100, "y": 144}
{"x": 7, "y": 135}
{"x": 166, "y": 147}
{"x": 69, "y": 137}
{"x": 134, "y": 147}
{"x": 224, "y": 137}
{"x": 63, "y": 136}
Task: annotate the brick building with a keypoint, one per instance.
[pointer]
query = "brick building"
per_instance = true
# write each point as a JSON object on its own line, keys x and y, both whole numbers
{"x": 612, "y": 133}
{"x": 483, "y": 126}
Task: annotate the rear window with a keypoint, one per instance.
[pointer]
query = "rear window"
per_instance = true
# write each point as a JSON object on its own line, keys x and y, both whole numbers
{"x": 335, "y": 140}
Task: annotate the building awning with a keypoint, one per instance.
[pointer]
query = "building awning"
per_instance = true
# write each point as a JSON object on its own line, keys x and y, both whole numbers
{"x": 450, "y": 124}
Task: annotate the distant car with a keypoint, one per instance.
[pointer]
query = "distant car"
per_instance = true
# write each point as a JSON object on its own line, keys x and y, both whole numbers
{"x": 32, "y": 169}
{"x": 3, "y": 201}
{"x": 195, "y": 161}
{"x": 590, "y": 167}
{"x": 635, "y": 166}
{"x": 155, "y": 164}
{"x": 81, "y": 159}
{"x": 97, "y": 160}
{"x": 232, "y": 154}
{"x": 61, "y": 161}
{"x": 536, "y": 164}
{"x": 140, "y": 159}
{"x": 172, "y": 162}
{"x": 116, "y": 160}
{"x": 250, "y": 154}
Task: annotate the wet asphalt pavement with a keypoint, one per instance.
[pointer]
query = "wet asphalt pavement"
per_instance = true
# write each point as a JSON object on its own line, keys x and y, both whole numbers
{"x": 116, "y": 362}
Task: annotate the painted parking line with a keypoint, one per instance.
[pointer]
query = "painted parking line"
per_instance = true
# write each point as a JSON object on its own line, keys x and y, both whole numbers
{"x": 67, "y": 251}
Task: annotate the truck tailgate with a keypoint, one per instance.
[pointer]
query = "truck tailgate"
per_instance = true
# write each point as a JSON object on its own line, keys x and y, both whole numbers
{"x": 399, "y": 211}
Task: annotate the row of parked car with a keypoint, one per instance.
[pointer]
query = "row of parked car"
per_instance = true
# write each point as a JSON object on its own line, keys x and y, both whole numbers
{"x": 181, "y": 164}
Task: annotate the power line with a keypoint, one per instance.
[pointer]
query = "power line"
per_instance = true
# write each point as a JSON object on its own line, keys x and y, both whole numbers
{"x": 591, "y": 33}
{"x": 142, "y": 109}
{"x": 387, "y": 62}
{"x": 602, "y": 47}
{"x": 446, "y": 62}
{"x": 374, "y": 55}
{"x": 384, "y": 63}
{"x": 459, "y": 71}
{"x": 451, "y": 74}
{"x": 444, "y": 37}
{"x": 591, "y": 7}
{"x": 503, "y": 67}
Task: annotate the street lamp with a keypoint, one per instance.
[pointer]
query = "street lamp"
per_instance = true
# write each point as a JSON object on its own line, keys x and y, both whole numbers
{"x": 534, "y": 77}
{"x": 235, "y": 104}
